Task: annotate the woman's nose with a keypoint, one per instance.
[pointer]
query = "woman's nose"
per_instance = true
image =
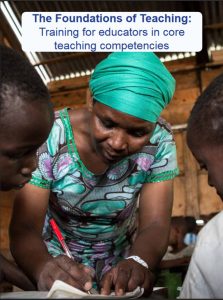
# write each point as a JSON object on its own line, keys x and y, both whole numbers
{"x": 118, "y": 141}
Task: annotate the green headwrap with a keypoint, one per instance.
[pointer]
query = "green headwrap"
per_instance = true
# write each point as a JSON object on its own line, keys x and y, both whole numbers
{"x": 136, "y": 83}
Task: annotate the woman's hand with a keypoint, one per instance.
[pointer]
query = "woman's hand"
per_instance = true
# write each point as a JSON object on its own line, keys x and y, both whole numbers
{"x": 67, "y": 270}
{"x": 125, "y": 277}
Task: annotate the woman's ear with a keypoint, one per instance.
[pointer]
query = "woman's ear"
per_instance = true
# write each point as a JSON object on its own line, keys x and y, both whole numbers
{"x": 89, "y": 101}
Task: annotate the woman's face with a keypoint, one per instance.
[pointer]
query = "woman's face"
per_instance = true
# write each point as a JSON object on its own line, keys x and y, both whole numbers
{"x": 210, "y": 158}
{"x": 23, "y": 130}
{"x": 116, "y": 135}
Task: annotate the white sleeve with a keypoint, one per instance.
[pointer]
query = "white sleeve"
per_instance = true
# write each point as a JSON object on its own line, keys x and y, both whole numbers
{"x": 203, "y": 276}
{"x": 195, "y": 284}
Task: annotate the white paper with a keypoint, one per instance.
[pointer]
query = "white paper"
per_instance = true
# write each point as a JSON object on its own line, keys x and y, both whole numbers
{"x": 61, "y": 289}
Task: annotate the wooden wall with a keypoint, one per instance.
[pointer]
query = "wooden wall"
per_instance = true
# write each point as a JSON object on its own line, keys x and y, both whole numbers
{"x": 192, "y": 195}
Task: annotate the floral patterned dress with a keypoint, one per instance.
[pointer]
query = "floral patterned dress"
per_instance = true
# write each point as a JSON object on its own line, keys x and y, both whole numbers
{"x": 97, "y": 213}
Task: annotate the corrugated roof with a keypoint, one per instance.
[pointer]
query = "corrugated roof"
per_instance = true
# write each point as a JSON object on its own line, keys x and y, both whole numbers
{"x": 62, "y": 64}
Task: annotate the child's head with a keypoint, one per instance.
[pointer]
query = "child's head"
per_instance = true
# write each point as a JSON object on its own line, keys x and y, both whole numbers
{"x": 205, "y": 132}
{"x": 26, "y": 118}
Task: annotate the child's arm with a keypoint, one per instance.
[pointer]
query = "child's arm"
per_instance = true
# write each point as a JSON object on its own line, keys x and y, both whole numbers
{"x": 11, "y": 273}
{"x": 170, "y": 263}
{"x": 29, "y": 249}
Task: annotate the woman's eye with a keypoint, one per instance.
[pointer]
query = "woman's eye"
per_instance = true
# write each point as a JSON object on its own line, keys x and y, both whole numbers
{"x": 138, "y": 133}
{"x": 107, "y": 124}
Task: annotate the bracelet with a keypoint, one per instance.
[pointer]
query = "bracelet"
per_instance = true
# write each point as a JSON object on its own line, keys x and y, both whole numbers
{"x": 138, "y": 260}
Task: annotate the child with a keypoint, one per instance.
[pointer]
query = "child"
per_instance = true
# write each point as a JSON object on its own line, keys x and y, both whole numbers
{"x": 90, "y": 172}
{"x": 204, "y": 276}
{"x": 24, "y": 101}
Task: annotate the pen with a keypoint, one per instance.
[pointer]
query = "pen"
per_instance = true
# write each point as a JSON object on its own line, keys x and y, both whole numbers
{"x": 61, "y": 239}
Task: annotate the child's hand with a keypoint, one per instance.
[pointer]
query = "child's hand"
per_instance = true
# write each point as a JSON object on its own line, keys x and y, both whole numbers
{"x": 9, "y": 272}
{"x": 67, "y": 270}
{"x": 184, "y": 260}
{"x": 125, "y": 277}
{"x": 2, "y": 274}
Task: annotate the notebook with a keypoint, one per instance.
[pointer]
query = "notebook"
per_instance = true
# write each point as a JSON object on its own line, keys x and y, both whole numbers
{"x": 61, "y": 289}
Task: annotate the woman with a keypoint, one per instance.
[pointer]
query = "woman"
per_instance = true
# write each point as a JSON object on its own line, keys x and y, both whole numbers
{"x": 24, "y": 100}
{"x": 95, "y": 164}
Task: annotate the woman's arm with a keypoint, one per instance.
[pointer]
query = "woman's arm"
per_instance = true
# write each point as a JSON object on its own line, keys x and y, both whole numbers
{"x": 29, "y": 249}
{"x": 155, "y": 207}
